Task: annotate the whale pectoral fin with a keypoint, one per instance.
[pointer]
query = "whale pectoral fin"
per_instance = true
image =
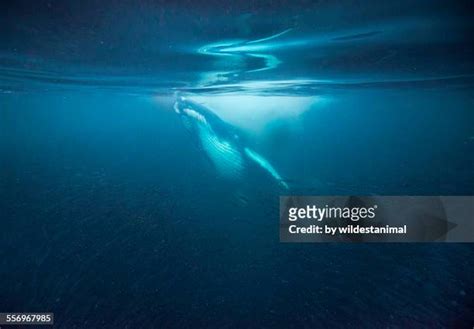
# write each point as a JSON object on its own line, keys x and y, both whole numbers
{"x": 266, "y": 166}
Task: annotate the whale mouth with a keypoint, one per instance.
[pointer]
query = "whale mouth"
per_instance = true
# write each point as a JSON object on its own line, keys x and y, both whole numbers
{"x": 195, "y": 115}
{"x": 176, "y": 107}
{"x": 179, "y": 100}
{"x": 188, "y": 112}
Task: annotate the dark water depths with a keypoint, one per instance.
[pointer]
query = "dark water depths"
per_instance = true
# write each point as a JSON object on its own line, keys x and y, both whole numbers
{"x": 112, "y": 217}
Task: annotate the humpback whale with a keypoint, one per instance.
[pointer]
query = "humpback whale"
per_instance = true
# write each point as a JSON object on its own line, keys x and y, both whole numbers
{"x": 222, "y": 143}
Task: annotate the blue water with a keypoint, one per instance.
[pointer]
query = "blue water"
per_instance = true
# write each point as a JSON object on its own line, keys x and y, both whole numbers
{"x": 113, "y": 217}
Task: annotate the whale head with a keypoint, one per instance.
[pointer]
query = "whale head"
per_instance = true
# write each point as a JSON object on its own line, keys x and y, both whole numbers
{"x": 185, "y": 109}
{"x": 197, "y": 116}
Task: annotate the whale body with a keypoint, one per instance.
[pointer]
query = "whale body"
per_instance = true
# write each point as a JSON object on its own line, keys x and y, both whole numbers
{"x": 222, "y": 143}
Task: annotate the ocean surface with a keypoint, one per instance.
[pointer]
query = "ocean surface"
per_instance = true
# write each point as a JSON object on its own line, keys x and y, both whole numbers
{"x": 112, "y": 216}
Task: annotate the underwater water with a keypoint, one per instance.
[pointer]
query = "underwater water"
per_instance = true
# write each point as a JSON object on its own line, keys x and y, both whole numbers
{"x": 116, "y": 215}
